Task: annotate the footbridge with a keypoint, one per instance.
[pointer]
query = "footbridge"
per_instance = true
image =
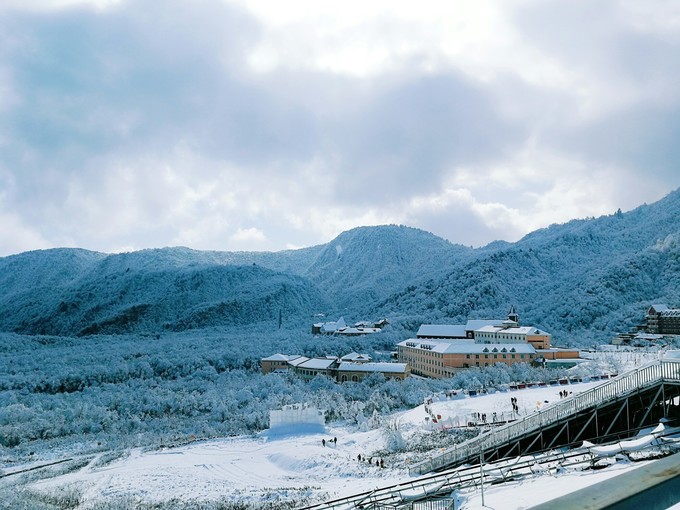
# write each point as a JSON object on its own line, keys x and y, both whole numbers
{"x": 612, "y": 411}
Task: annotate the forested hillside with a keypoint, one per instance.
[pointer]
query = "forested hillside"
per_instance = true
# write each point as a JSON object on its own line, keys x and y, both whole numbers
{"x": 582, "y": 280}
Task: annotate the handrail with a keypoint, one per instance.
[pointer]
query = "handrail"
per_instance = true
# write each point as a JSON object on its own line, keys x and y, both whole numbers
{"x": 656, "y": 371}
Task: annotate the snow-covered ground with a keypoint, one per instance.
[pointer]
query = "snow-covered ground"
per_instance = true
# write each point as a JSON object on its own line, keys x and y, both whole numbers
{"x": 264, "y": 468}
{"x": 261, "y": 468}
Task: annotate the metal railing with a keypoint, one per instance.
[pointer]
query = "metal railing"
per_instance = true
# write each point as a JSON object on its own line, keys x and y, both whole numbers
{"x": 655, "y": 372}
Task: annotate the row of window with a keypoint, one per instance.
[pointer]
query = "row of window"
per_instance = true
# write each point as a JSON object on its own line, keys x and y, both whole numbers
{"x": 495, "y": 356}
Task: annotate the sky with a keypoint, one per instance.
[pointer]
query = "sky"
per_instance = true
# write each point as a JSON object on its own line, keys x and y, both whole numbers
{"x": 266, "y": 125}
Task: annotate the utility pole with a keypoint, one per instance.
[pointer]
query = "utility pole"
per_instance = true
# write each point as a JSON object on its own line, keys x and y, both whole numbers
{"x": 481, "y": 471}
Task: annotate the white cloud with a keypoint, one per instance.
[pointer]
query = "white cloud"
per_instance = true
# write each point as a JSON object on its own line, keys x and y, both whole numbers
{"x": 16, "y": 236}
{"x": 51, "y": 5}
{"x": 234, "y": 124}
{"x": 248, "y": 236}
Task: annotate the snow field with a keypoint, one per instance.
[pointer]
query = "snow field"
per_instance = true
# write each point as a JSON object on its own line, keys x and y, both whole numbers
{"x": 255, "y": 468}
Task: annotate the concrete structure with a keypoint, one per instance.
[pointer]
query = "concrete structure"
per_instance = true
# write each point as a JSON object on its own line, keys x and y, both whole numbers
{"x": 296, "y": 415}
{"x": 654, "y": 486}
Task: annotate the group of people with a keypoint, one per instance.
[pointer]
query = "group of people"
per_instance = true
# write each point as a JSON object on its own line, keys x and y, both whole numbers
{"x": 378, "y": 462}
{"x": 515, "y": 406}
{"x": 334, "y": 441}
{"x": 565, "y": 393}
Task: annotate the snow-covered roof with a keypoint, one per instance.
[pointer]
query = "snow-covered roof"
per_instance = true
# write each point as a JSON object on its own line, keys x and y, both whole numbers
{"x": 277, "y": 357}
{"x": 290, "y": 358}
{"x": 659, "y": 307}
{"x": 357, "y": 331}
{"x": 392, "y": 368}
{"x": 556, "y": 349}
{"x": 466, "y": 347}
{"x": 297, "y": 361}
{"x": 566, "y": 361}
{"x": 475, "y": 324}
{"x": 330, "y": 327}
{"x": 317, "y": 363}
{"x": 519, "y": 330}
{"x": 441, "y": 331}
{"x": 355, "y": 356}
{"x": 648, "y": 336}
{"x": 671, "y": 312}
{"x": 672, "y": 354}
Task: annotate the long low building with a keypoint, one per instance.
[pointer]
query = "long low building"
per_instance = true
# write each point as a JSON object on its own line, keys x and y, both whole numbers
{"x": 443, "y": 358}
{"x": 352, "y": 367}
{"x": 350, "y": 371}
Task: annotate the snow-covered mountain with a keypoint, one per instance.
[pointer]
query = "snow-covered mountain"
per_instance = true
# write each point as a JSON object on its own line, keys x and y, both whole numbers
{"x": 586, "y": 278}
{"x": 583, "y": 279}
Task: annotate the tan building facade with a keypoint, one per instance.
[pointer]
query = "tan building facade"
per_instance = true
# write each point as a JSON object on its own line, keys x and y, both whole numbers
{"x": 438, "y": 359}
{"x": 279, "y": 362}
{"x": 510, "y": 332}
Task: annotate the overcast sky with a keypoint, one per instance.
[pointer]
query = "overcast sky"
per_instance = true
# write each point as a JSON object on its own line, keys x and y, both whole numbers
{"x": 267, "y": 125}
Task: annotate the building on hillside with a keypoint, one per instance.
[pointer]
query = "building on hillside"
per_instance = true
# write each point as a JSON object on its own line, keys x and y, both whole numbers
{"x": 440, "y": 350}
{"x": 355, "y": 357}
{"x": 340, "y": 327}
{"x": 350, "y": 371}
{"x": 280, "y": 362}
{"x": 437, "y": 358}
{"x": 510, "y": 332}
{"x": 455, "y": 331}
{"x": 660, "y": 326}
{"x": 442, "y": 331}
{"x": 663, "y": 320}
{"x": 328, "y": 328}
{"x": 317, "y": 366}
{"x": 559, "y": 357}
{"x": 351, "y": 367}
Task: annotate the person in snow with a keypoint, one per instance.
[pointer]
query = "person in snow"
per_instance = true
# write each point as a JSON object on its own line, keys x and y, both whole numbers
{"x": 323, "y": 442}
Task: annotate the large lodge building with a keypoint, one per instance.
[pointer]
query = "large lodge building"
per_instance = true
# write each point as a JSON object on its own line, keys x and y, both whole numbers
{"x": 441, "y": 350}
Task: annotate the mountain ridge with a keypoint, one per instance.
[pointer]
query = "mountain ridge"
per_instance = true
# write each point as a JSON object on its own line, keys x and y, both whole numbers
{"x": 583, "y": 279}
